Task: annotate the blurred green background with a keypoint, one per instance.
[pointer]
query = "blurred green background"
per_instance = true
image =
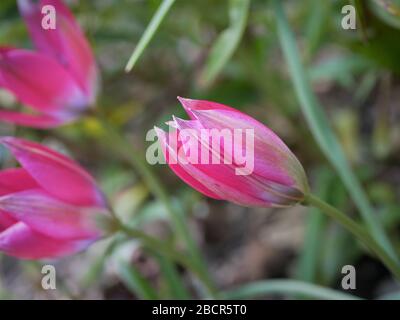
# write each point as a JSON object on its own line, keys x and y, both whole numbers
{"x": 224, "y": 51}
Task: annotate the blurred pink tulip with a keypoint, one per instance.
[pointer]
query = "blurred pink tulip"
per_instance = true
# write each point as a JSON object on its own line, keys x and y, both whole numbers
{"x": 59, "y": 81}
{"x": 49, "y": 207}
{"x": 277, "y": 178}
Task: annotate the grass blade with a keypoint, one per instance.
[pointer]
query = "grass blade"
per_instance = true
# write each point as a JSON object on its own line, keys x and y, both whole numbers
{"x": 172, "y": 277}
{"x": 287, "y": 288}
{"x": 149, "y": 33}
{"x": 136, "y": 282}
{"x": 227, "y": 42}
{"x": 322, "y": 132}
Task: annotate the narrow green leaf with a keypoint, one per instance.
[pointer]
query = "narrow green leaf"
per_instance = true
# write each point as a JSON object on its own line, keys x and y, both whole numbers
{"x": 171, "y": 275}
{"x": 149, "y": 33}
{"x": 95, "y": 271}
{"x": 388, "y": 11}
{"x": 316, "y": 25}
{"x": 287, "y": 288}
{"x": 322, "y": 132}
{"x": 136, "y": 282}
{"x": 227, "y": 42}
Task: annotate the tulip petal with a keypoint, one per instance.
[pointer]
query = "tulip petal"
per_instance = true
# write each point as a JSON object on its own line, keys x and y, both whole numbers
{"x": 22, "y": 242}
{"x": 269, "y": 151}
{"x": 192, "y": 104}
{"x": 51, "y": 217}
{"x": 66, "y": 42}
{"x": 235, "y": 118}
{"x": 55, "y": 173}
{"x": 217, "y": 181}
{"x": 6, "y": 221}
{"x": 40, "y": 82}
{"x": 255, "y": 170}
{"x": 15, "y": 180}
{"x": 273, "y": 160}
{"x": 169, "y": 150}
{"x": 223, "y": 178}
{"x": 39, "y": 121}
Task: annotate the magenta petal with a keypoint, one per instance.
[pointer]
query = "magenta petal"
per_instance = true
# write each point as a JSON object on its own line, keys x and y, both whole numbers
{"x": 15, "y": 180}
{"x": 216, "y": 181}
{"x": 51, "y": 217}
{"x": 192, "y": 104}
{"x": 40, "y": 82}
{"x": 22, "y": 242}
{"x": 233, "y": 157}
{"x": 170, "y": 155}
{"x": 273, "y": 160}
{"x": 55, "y": 173}
{"x": 272, "y": 157}
{"x": 39, "y": 121}
{"x": 66, "y": 43}
{"x": 6, "y": 221}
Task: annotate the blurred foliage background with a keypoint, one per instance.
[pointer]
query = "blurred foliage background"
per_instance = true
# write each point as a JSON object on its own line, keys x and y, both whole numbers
{"x": 228, "y": 51}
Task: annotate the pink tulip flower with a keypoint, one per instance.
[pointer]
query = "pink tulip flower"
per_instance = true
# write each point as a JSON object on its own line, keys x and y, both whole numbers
{"x": 59, "y": 80}
{"x": 49, "y": 207}
{"x": 277, "y": 178}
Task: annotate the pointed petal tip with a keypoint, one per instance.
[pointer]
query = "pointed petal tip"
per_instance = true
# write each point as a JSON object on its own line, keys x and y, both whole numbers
{"x": 172, "y": 124}
{"x": 179, "y": 123}
{"x": 160, "y": 132}
{"x": 181, "y": 99}
{"x": 186, "y": 102}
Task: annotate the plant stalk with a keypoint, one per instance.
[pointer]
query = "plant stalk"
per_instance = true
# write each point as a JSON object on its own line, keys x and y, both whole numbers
{"x": 128, "y": 152}
{"x": 359, "y": 232}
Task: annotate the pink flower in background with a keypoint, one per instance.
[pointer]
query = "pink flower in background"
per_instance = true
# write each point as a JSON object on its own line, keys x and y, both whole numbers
{"x": 59, "y": 80}
{"x": 49, "y": 207}
{"x": 277, "y": 178}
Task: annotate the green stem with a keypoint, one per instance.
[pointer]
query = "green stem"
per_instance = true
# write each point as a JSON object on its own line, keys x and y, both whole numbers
{"x": 135, "y": 282}
{"x": 164, "y": 248}
{"x": 127, "y": 150}
{"x": 359, "y": 232}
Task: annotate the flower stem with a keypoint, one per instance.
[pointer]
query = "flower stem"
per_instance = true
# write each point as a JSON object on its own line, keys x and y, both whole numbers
{"x": 359, "y": 232}
{"x": 164, "y": 248}
{"x": 131, "y": 154}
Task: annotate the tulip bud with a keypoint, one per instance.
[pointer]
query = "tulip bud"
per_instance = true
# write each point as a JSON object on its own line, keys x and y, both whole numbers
{"x": 59, "y": 81}
{"x": 225, "y": 154}
{"x": 49, "y": 207}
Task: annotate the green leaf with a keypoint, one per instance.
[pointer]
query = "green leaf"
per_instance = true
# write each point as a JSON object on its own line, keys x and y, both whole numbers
{"x": 136, "y": 282}
{"x": 149, "y": 33}
{"x": 172, "y": 278}
{"x": 322, "y": 131}
{"x": 388, "y": 11}
{"x": 227, "y": 42}
{"x": 287, "y": 288}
